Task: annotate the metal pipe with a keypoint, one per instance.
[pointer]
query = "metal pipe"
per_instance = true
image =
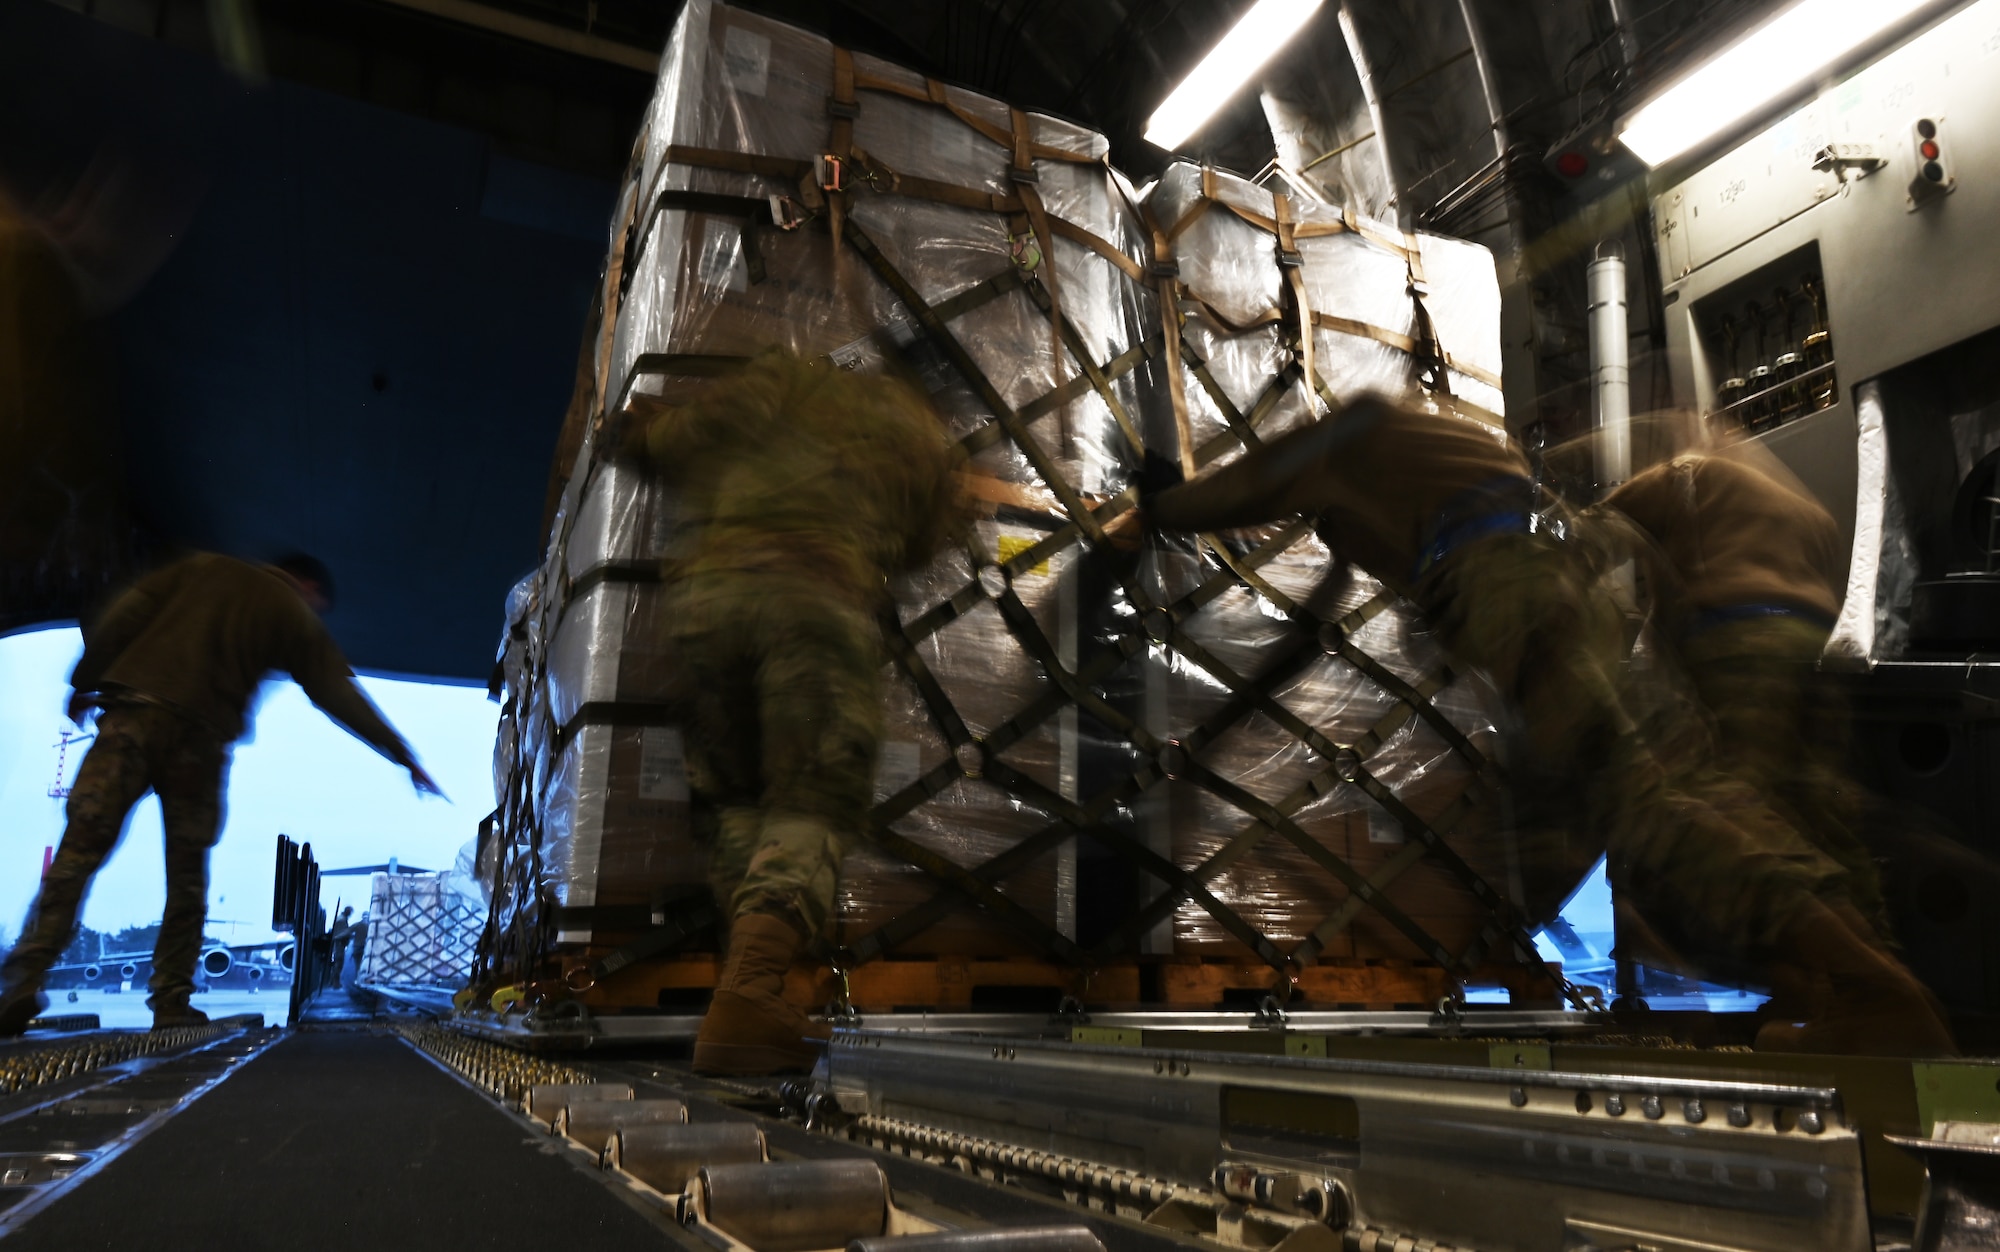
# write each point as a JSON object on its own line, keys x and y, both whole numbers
{"x": 528, "y": 30}
{"x": 1489, "y": 85}
{"x": 544, "y": 1100}
{"x": 1364, "y": 70}
{"x": 797, "y": 1205}
{"x": 591, "y": 1122}
{"x": 667, "y": 1155}
{"x": 1610, "y": 368}
{"x": 1628, "y": 35}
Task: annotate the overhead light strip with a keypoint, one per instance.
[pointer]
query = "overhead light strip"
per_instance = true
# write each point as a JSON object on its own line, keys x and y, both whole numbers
{"x": 1764, "y": 65}
{"x": 1250, "y": 43}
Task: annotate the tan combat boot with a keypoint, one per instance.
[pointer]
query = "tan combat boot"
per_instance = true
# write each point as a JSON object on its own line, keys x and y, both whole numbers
{"x": 750, "y": 1029}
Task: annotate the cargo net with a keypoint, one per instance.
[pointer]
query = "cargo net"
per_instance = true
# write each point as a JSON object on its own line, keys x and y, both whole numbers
{"x": 1196, "y": 749}
{"x": 421, "y": 932}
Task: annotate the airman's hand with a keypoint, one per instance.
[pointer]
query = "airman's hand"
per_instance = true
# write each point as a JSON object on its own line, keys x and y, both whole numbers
{"x": 424, "y": 783}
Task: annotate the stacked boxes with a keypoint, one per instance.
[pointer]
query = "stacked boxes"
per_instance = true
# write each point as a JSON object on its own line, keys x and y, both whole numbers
{"x": 1041, "y": 682}
{"x": 1384, "y": 308}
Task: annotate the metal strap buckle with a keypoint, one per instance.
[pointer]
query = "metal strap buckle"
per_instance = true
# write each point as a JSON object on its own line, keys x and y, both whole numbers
{"x": 849, "y": 109}
{"x": 1024, "y": 174}
{"x": 842, "y": 1009}
{"x": 1290, "y": 258}
{"x": 1166, "y": 269}
{"x": 830, "y": 172}
{"x": 787, "y": 213}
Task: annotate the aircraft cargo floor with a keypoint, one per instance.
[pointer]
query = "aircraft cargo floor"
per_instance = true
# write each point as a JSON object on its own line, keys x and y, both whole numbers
{"x": 333, "y": 1140}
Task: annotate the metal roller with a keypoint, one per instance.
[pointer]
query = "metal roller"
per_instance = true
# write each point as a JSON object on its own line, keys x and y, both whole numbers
{"x": 590, "y": 1122}
{"x": 798, "y": 1205}
{"x": 1070, "y": 1237}
{"x": 665, "y": 1156}
{"x": 544, "y": 1100}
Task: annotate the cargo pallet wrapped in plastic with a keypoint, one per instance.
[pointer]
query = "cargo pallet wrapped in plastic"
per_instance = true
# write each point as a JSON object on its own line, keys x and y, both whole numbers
{"x": 421, "y": 932}
{"x": 1366, "y": 819}
{"x": 1106, "y": 776}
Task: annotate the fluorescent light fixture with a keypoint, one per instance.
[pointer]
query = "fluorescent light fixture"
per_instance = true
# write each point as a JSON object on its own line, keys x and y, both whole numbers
{"x": 1243, "y": 51}
{"x": 1763, "y": 66}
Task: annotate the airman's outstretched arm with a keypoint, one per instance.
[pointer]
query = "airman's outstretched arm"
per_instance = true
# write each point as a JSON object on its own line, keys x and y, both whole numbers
{"x": 1291, "y": 474}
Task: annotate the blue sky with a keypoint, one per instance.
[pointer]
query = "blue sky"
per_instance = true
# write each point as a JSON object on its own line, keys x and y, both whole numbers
{"x": 299, "y": 774}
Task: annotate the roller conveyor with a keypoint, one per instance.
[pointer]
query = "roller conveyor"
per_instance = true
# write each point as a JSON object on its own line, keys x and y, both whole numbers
{"x": 1438, "y": 1138}
{"x": 1388, "y": 1135}
{"x": 1048, "y": 1136}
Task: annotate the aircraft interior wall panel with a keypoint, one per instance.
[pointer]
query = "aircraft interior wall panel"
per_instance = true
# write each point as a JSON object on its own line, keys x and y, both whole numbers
{"x": 1904, "y": 274}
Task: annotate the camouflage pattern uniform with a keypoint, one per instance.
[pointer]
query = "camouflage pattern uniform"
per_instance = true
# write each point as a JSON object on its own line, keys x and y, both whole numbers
{"x": 139, "y": 748}
{"x": 1748, "y": 576}
{"x": 787, "y": 708}
{"x": 803, "y": 488}
{"x": 1437, "y": 507}
{"x": 174, "y": 663}
{"x": 1786, "y": 736}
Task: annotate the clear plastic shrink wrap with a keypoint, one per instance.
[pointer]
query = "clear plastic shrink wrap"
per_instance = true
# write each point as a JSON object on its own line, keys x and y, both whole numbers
{"x": 1385, "y": 310}
{"x": 986, "y": 754}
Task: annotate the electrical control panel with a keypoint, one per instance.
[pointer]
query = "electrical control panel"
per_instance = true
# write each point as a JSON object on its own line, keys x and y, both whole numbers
{"x": 1765, "y": 343}
{"x": 1862, "y": 221}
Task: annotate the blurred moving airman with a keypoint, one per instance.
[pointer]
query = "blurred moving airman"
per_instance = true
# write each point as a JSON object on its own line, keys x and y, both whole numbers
{"x": 803, "y": 488}
{"x": 1444, "y": 510}
{"x": 1746, "y": 574}
{"x": 172, "y": 666}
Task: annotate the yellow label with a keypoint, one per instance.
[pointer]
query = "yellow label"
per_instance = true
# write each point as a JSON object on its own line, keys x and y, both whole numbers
{"x": 1305, "y": 1045}
{"x": 1012, "y": 546}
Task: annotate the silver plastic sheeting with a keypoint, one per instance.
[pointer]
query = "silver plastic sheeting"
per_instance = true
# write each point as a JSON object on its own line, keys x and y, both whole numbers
{"x": 739, "y": 83}
{"x": 614, "y": 817}
{"x": 611, "y": 646}
{"x": 987, "y": 678}
{"x": 624, "y": 518}
{"x": 1360, "y": 275}
{"x": 1270, "y": 877}
{"x": 512, "y": 659}
{"x": 1463, "y": 300}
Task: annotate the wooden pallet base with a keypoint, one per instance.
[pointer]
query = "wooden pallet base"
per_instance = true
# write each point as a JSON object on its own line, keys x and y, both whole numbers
{"x": 1024, "y": 985}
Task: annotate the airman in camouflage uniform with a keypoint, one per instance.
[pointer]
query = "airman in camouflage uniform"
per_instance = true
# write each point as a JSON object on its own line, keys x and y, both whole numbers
{"x": 173, "y": 664}
{"x": 1747, "y": 573}
{"x": 803, "y": 488}
{"x": 1440, "y": 508}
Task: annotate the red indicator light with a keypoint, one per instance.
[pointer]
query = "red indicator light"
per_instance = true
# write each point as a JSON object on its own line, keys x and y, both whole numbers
{"x": 1572, "y": 165}
{"x": 1930, "y": 150}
